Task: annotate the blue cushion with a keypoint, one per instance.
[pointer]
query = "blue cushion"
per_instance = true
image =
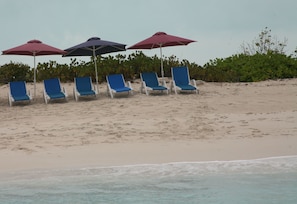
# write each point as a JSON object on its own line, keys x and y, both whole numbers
{"x": 122, "y": 89}
{"x": 18, "y": 91}
{"x": 53, "y": 88}
{"x": 21, "y": 98}
{"x": 160, "y": 88}
{"x": 151, "y": 80}
{"x": 116, "y": 81}
{"x": 56, "y": 95}
{"x": 86, "y": 93}
{"x": 84, "y": 86}
{"x": 181, "y": 76}
{"x": 186, "y": 87}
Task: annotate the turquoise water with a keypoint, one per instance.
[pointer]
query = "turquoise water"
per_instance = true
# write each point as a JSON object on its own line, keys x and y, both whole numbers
{"x": 270, "y": 180}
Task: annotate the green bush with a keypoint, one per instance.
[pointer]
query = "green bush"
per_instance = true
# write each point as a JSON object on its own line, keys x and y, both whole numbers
{"x": 250, "y": 68}
{"x": 237, "y": 68}
{"x": 15, "y": 72}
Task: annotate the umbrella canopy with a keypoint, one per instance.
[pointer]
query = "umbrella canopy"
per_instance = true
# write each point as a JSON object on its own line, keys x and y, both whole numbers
{"x": 92, "y": 47}
{"x": 159, "y": 40}
{"x": 34, "y": 48}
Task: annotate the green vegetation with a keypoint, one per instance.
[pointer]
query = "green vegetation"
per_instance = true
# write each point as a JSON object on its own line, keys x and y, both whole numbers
{"x": 263, "y": 59}
{"x": 15, "y": 72}
{"x": 257, "y": 67}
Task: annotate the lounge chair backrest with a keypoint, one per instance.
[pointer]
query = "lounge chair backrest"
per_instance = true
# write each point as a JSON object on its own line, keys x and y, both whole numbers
{"x": 116, "y": 81}
{"x": 18, "y": 88}
{"x": 150, "y": 78}
{"x": 52, "y": 86}
{"x": 83, "y": 84}
{"x": 180, "y": 75}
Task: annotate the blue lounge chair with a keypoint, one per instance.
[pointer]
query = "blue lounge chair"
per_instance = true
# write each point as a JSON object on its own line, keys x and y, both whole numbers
{"x": 116, "y": 84}
{"x": 181, "y": 80}
{"x": 18, "y": 92}
{"x": 83, "y": 87}
{"x": 53, "y": 90}
{"x": 150, "y": 83}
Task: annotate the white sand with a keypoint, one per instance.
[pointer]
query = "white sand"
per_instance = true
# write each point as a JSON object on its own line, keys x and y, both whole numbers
{"x": 226, "y": 121}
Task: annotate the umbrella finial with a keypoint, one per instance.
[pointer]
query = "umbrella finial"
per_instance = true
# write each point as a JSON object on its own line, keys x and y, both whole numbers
{"x": 160, "y": 33}
{"x": 34, "y": 41}
{"x": 93, "y": 38}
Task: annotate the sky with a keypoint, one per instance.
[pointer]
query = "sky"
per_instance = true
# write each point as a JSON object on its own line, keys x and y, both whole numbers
{"x": 220, "y": 27}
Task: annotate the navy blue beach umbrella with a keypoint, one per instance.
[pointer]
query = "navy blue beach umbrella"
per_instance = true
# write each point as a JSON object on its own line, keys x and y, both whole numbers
{"x": 94, "y": 47}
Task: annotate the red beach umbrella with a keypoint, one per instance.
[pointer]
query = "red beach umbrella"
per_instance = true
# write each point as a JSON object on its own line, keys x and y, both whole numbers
{"x": 159, "y": 40}
{"x": 34, "y": 48}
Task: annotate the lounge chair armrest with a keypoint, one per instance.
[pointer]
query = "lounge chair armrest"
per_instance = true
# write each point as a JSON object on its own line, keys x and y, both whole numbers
{"x": 95, "y": 88}
{"x": 143, "y": 86}
{"x": 130, "y": 86}
{"x": 163, "y": 83}
{"x": 29, "y": 94}
{"x": 109, "y": 90}
{"x": 44, "y": 92}
{"x": 45, "y": 96}
{"x": 172, "y": 84}
{"x": 64, "y": 91}
{"x": 193, "y": 82}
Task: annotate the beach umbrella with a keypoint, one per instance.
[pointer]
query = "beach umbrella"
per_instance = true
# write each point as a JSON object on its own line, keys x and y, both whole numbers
{"x": 93, "y": 47}
{"x": 159, "y": 40}
{"x": 34, "y": 48}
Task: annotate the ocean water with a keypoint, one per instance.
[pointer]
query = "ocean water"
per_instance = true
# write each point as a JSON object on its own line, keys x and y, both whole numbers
{"x": 269, "y": 180}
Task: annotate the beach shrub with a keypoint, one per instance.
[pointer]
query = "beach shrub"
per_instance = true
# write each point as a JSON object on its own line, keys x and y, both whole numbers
{"x": 138, "y": 62}
{"x": 236, "y": 68}
{"x": 52, "y": 69}
{"x": 251, "y": 68}
{"x": 15, "y": 72}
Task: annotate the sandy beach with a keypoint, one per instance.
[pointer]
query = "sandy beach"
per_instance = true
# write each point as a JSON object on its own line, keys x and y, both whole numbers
{"x": 226, "y": 121}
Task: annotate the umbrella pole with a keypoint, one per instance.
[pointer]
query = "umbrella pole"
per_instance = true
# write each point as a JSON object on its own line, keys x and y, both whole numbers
{"x": 162, "y": 70}
{"x": 34, "y": 77}
{"x": 95, "y": 62}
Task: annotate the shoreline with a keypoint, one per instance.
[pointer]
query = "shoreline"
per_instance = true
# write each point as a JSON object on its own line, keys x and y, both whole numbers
{"x": 24, "y": 172}
{"x": 127, "y": 154}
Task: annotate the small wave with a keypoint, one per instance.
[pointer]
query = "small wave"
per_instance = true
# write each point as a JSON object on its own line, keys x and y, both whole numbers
{"x": 263, "y": 166}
